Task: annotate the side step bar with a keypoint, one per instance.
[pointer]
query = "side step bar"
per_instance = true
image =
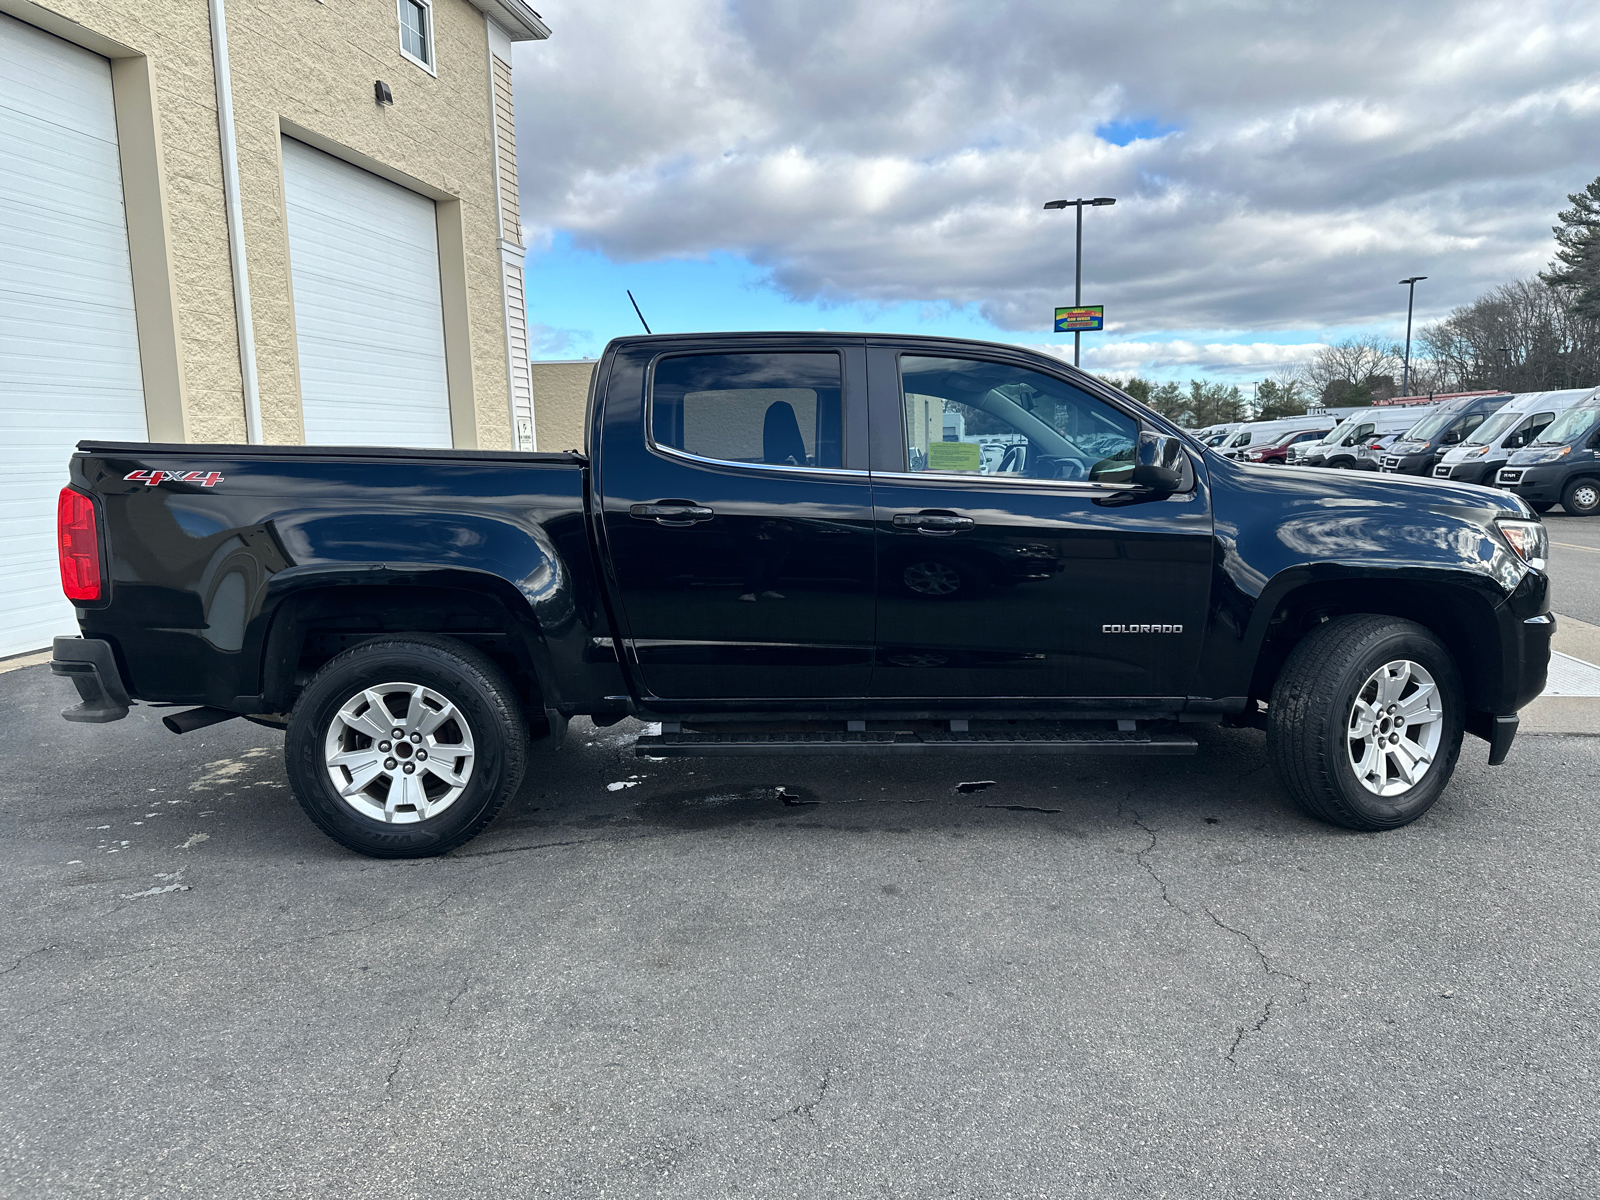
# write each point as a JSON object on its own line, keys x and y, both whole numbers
{"x": 709, "y": 745}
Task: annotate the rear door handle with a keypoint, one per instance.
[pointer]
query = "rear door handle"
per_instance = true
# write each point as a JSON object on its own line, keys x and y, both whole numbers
{"x": 933, "y": 522}
{"x": 672, "y": 513}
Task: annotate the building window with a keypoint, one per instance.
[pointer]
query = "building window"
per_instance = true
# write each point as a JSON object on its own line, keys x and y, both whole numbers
{"x": 416, "y": 32}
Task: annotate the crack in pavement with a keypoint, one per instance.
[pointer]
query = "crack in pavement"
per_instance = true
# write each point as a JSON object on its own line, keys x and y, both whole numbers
{"x": 806, "y": 1110}
{"x": 410, "y": 1041}
{"x": 1241, "y": 1031}
{"x": 26, "y": 957}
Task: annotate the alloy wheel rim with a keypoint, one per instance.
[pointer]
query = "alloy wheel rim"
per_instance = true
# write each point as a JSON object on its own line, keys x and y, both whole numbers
{"x": 932, "y": 579}
{"x": 399, "y": 753}
{"x": 1394, "y": 729}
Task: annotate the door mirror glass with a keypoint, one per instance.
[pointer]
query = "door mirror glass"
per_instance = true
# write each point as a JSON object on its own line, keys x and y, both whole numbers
{"x": 968, "y": 416}
{"x": 1160, "y": 464}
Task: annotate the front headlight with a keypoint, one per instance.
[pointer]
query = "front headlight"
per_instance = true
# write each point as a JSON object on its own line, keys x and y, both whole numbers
{"x": 1529, "y": 539}
{"x": 1550, "y": 455}
{"x": 1478, "y": 453}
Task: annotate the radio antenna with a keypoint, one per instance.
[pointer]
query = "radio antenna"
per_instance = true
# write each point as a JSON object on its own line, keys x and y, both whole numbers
{"x": 635, "y": 304}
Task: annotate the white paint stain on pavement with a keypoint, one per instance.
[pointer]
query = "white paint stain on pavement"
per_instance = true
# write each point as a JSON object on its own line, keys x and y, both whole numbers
{"x": 195, "y": 839}
{"x": 158, "y": 891}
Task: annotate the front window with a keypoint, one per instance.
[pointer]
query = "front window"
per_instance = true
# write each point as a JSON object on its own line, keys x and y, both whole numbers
{"x": 1570, "y": 425}
{"x": 416, "y": 31}
{"x": 1490, "y": 431}
{"x": 965, "y": 416}
{"x": 776, "y": 410}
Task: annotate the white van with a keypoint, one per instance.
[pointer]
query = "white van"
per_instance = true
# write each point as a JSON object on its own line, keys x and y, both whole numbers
{"x": 1517, "y": 423}
{"x": 1215, "y": 435}
{"x": 1256, "y": 433}
{"x": 1349, "y": 444}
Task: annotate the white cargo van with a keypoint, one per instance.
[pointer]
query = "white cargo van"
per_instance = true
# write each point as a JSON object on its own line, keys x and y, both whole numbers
{"x": 1519, "y": 422}
{"x": 1349, "y": 444}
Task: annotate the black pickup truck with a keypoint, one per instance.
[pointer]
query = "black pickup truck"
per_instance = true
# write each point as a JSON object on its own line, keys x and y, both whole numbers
{"x": 802, "y": 543}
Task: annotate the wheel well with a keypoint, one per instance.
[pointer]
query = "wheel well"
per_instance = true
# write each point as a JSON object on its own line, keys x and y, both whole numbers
{"x": 314, "y": 626}
{"x": 1460, "y": 619}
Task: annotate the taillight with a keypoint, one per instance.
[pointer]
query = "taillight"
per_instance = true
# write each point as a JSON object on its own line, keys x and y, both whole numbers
{"x": 78, "y": 540}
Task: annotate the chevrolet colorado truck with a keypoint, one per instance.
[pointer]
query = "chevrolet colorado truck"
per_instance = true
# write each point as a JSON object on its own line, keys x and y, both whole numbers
{"x": 780, "y": 544}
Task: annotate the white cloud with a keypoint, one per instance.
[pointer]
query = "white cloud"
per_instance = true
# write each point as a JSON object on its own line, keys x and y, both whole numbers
{"x": 890, "y": 152}
{"x": 1247, "y": 358}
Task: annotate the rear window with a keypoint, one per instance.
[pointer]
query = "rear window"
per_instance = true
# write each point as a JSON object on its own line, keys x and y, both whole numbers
{"x": 775, "y": 409}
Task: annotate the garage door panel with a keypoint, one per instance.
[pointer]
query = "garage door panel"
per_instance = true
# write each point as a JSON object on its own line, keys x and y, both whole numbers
{"x": 69, "y": 353}
{"x": 369, "y": 320}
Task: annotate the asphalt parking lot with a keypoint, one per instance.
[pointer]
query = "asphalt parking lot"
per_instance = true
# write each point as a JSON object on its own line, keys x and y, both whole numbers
{"x": 829, "y": 978}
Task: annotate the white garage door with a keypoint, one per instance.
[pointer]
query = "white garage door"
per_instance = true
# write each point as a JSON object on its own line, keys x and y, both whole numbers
{"x": 69, "y": 350}
{"x": 364, "y": 260}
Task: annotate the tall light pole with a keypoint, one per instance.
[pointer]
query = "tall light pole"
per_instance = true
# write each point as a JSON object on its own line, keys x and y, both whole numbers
{"x": 1077, "y": 290}
{"x": 1411, "y": 295}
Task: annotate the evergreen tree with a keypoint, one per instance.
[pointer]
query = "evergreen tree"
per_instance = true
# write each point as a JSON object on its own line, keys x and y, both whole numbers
{"x": 1577, "y": 265}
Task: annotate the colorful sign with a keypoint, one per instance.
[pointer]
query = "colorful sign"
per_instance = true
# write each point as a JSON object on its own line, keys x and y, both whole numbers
{"x": 1081, "y": 319}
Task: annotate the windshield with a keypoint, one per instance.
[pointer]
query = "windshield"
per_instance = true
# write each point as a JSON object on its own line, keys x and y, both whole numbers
{"x": 1570, "y": 425}
{"x": 1337, "y": 432}
{"x": 1494, "y": 428}
{"x": 1431, "y": 426}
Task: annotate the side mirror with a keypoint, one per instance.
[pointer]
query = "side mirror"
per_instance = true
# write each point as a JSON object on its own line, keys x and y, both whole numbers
{"x": 1451, "y": 438}
{"x": 1159, "y": 463}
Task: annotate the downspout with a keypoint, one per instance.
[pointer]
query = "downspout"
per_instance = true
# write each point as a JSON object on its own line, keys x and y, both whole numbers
{"x": 230, "y": 200}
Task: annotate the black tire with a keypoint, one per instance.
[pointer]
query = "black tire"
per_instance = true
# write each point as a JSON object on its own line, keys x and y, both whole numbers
{"x": 493, "y": 746}
{"x": 1543, "y": 506}
{"x": 1581, "y": 497}
{"x": 1342, "y": 464}
{"x": 1311, "y": 713}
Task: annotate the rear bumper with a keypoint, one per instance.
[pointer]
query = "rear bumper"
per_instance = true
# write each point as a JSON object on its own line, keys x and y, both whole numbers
{"x": 92, "y": 667}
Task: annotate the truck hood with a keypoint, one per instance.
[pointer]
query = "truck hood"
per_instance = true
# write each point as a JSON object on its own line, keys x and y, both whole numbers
{"x": 1289, "y": 489}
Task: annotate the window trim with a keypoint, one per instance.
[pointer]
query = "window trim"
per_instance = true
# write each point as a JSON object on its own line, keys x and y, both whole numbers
{"x": 691, "y": 458}
{"x": 1070, "y": 484}
{"x": 430, "y": 38}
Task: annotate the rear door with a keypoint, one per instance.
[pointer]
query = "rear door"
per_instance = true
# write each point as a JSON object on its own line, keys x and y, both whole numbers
{"x": 1009, "y": 563}
{"x": 736, "y": 515}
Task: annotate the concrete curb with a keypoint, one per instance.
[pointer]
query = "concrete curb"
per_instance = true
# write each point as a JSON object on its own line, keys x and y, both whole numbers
{"x": 1576, "y": 715}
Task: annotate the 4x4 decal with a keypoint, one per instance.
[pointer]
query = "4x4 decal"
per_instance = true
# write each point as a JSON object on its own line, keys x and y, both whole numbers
{"x": 152, "y": 478}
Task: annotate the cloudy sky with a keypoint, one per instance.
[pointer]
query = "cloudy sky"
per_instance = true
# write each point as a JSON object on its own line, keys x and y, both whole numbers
{"x": 882, "y": 165}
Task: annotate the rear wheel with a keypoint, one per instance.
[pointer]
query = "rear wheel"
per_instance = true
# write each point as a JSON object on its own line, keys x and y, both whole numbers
{"x": 406, "y": 747}
{"x": 1581, "y": 497}
{"x": 1365, "y": 722}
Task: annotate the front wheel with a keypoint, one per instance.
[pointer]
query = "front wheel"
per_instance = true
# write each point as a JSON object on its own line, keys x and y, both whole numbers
{"x": 406, "y": 747}
{"x": 1365, "y": 722}
{"x": 1581, "y": 497}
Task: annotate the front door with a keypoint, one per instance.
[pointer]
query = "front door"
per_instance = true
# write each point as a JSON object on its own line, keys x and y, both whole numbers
{"x": 737, "y": 521}
{"x": 1014, "y": 558}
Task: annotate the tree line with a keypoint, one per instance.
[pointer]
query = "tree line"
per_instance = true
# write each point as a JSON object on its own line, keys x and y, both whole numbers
{"x": 1530, "y": 335}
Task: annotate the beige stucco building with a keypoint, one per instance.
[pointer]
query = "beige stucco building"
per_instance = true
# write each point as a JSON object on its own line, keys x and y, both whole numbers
{"x": 281, "y": 221}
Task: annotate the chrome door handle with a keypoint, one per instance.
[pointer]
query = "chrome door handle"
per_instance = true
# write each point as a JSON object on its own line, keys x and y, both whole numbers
{"x": 672, "y": 513}
{"x": 931, "y": 522}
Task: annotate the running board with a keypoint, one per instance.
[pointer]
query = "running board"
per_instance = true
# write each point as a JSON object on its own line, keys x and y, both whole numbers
{"x": 709, "y": 745}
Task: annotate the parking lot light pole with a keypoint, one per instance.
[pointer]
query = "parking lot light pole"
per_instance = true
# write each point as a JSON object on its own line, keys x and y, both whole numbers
{"x": 1077, "y": 288}
{"x": 1411, "y": 295}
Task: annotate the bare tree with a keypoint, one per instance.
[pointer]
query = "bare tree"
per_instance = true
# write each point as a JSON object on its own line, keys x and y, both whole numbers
{"x": 1355, "y": 371}
{"x": 1522, "y": 336}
